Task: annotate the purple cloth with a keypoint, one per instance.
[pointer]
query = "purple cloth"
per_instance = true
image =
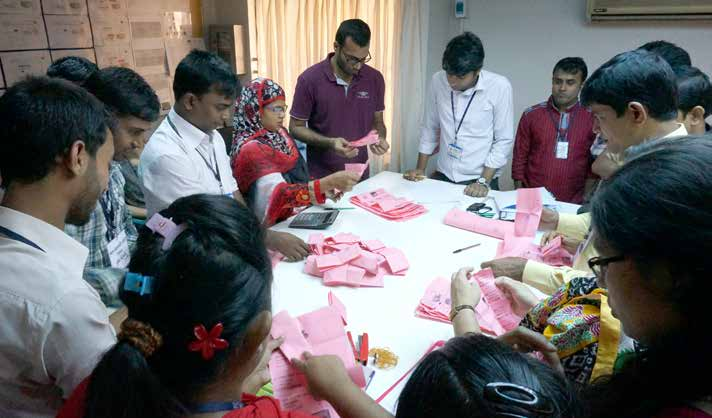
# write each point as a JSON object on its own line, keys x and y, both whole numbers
{"x": 322, "y": 102}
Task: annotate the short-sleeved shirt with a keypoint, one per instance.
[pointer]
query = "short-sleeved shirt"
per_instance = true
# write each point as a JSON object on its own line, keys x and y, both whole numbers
{"x": 181, "y": 160}
{"x": 54, "y": 327}
{"x": 335, "y": 111}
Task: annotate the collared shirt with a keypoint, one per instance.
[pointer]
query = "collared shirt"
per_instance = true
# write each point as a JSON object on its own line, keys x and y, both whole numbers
{"x": 337, "y": 111}
{"x": 486, "y": 135}
{"x": 181, "y": 160}
{"x": 54, "y": 327}
{"x": 535, "y": 162}
{"x": 547, "y": 278}
{"x": 109, "y": 218}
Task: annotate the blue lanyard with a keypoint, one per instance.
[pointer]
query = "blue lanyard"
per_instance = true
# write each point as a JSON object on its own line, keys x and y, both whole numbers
{"x": 208, "y": 407}
{"x": 454, "y": 120}
{"x": 565, "y": 133}
{"x": 17, "y": 237}
{"x": 215, "y": 170}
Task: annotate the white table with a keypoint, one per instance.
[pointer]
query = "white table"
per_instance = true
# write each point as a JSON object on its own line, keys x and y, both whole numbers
{"x": 387, "y": 314}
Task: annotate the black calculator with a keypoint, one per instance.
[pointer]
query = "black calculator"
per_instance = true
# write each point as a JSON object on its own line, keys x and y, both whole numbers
{"x": 314, "y": 220}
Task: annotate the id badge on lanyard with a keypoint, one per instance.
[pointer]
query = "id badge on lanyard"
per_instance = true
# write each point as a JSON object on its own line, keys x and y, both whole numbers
{"x": 119, "y": 251}
{"x": 561, "y": 152}
{"x": 453, "y": 150}
{"x": 562, "y": 149}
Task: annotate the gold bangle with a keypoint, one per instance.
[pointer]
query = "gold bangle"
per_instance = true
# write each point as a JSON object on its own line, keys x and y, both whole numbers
{"x": 456, "y": 310}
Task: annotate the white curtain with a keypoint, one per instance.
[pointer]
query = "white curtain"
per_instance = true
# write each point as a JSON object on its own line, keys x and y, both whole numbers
{"x": 410, "y": 84}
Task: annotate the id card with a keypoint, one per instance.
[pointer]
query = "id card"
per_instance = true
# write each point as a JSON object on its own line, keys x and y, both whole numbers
{"x": 119, "y": 251}
{"x": 562, "y": 150}
{"x": 454, "y": 151}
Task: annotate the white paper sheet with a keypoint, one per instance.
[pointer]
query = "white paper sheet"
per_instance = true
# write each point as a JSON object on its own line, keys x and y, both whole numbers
{"x": 2, "y": 91}
{"x": 177, "y": 25}
{"x": 84, "y": 53}
{"x": 22, "y": 32}
{"x": 149, "y": 51}
{"x": 163, "y": 86}
{"x": 18, "y": 65}
{"x": 64, "y": 7}
{"x": 114, "y": 56}
{"x": 101, "y": 8}
{"x": 22, "y": 7}
{"x": 67, "y": 31}
{"x": 111, "y": 30}
{"x": 177, "y": 49}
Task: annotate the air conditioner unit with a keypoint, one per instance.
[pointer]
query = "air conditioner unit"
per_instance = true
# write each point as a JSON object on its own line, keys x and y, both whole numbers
{"x": 599, "y": 10}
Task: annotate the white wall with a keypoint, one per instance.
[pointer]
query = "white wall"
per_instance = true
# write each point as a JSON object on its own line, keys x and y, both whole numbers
{"x": 523, "y": 39}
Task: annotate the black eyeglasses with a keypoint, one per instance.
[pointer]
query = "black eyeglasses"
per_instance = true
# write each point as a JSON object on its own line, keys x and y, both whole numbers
{"x": 599, "y": 265}
{"x": 353, "y": 60}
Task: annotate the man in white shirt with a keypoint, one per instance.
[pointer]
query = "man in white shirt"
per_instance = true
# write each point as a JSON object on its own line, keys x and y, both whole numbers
{"x": 56, "y": 151}
{"x": 186, "y": 155}
{"x": 468, "y": 119}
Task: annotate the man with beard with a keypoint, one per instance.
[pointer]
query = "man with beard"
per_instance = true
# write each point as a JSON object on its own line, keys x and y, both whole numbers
{"x": 339, "y": 100}
{"x": 56, "y": 150}
{"x": 554, "y": 137}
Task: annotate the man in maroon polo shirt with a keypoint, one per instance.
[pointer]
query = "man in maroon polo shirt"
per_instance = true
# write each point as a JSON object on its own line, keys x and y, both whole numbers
{"x": 340, "y": 100}
{"x": 554, "y": 138}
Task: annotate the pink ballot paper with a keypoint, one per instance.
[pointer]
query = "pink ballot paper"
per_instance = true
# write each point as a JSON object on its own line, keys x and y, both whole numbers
{"x": 388, "y": 206}
{"x": 370, "y": 139}
{"x": 319, "y": 332}
{"x": 529, "y": 207}
{"x": 553, "y": 254}
{"x": 493, "y": 312}
{"x": 356, "y": 168}
{"x": 475, "y": 223}
{"x": 346, "y": 260}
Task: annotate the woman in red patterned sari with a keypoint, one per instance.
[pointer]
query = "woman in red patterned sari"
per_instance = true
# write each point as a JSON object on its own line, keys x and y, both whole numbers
{"x": 271, "y": 173}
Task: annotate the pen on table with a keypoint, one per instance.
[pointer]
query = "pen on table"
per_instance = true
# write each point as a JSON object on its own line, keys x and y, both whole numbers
{"x": 466, "y": 248}
{"x": 338, "y": 208}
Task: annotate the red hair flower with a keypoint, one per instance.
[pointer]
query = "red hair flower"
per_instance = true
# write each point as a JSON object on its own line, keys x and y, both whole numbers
{"x": 206, "y": 342}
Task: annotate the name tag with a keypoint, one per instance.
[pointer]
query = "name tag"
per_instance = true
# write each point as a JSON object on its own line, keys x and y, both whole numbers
{"x": 454, "y": 151}
{"x": 562, "y": 150}
{"x": 119, "y": 251}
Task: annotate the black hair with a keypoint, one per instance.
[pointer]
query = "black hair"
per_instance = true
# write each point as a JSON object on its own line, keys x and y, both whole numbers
{"x": 463, "y": 54}
{"x": 572, "y": 65}
{"x": 634, "y": 76}
{"x": 356, "y": 29}
{"x": 74, "y": 69}
{"x": 671, "y": 53}
{"x": 451, "y": 381}
{"x": 657, "y": 211}
{"x": 124, "y": 92}
{"x": 201, "y": 71}
{"x": 216, "y": 271}
{"x": 40, "y": 119}
{"x": 693, "y": 89}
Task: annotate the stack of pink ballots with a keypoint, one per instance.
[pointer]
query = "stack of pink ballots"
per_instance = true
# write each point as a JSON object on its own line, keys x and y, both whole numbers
{"x": 494, "y": 312}
{"x": 346, "y": 260}
{"x": 553, "y": 253}
{"x": 526, "y": 221}
{"x": 320, "y": 332}
{"x": 388, "y": 206}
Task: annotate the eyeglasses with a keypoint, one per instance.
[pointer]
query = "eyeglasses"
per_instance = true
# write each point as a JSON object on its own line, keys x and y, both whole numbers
{"x": 599, "y": 265}
{"x": 277, "y": 109}
{"x": 353, "y": 60}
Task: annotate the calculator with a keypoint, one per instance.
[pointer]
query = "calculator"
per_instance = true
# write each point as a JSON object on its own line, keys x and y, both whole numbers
{"x": 314, "y": 220}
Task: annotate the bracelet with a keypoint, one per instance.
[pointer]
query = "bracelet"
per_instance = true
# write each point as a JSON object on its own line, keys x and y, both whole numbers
{"x": 457, "y": 309}
{"x": 320, "y": 197}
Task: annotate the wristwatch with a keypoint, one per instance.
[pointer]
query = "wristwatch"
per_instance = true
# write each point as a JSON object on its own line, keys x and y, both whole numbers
{"x": 456, "y": 310}
{"x": 483, "y": 182}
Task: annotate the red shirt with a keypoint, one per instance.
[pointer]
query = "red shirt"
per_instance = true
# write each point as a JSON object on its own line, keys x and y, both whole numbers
{"x": 534, "y": 161}
{"x": 255, "y": 407}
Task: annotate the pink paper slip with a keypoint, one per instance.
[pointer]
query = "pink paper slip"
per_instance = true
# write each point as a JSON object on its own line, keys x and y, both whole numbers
{"x": 395, "y": 259}
{"x": 275, "y": 257}
{"x": 319, "y": 332}
{"x": 356, "y": 168}
{"x": 529, "y": 207}
{"x": 346, "y": 238}
{"x": 499, "y": 303}
{"x": 370, "y": 139}
{"x": 513, "y": 246}
{"x": 345, "y": 275}
{"x": 335, "y": 303}
{"x": 478, "y": 224}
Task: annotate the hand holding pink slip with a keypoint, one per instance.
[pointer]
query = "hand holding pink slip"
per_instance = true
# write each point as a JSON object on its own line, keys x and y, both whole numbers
{"x": 370, "y": 139}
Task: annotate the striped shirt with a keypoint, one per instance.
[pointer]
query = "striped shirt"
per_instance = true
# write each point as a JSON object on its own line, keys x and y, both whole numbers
{"x": 535, "y": 162}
